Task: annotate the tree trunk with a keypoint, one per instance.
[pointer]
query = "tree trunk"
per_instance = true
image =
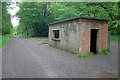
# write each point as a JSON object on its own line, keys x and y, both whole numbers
{"x": 27, "y": 31}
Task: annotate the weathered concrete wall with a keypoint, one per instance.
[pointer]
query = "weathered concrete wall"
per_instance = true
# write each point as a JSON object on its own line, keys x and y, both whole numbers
{"x": 69, "y": 36}
{"x": 75, "y": 35}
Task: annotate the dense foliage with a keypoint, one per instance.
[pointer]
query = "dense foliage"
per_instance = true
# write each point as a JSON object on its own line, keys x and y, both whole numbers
{"x": 6, "y": 21}
{"x": 35, "y": 16}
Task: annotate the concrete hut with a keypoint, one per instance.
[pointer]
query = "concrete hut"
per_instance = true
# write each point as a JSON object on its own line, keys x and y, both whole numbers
{"x": 79, "y": 34}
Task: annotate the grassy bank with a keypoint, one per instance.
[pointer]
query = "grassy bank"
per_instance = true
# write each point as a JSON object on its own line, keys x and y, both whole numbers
{"x": 3, "y": 40}
{"x": 115, "y": 37}
{"x": 0, "y": 41}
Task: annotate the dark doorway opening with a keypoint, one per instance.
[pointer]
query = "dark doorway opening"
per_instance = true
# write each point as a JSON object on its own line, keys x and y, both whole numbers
{"x": 93, "y": 41}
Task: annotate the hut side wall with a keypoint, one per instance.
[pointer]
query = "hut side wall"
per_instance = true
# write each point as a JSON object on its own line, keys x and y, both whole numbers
{"x": 69, "y": 36}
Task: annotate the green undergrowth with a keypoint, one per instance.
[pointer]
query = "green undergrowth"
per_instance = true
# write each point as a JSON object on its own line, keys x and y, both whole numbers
{"x": 4, "y": 40}
{"x": 84, "y": 55}
{"x": 104, "y": 51}
{"x": 115, "y": 37}
{"x": 0, "y": 42}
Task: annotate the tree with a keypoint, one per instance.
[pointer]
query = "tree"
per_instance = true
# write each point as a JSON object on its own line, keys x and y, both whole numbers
{"x": 34, "y": 17}
{"x": 6, "y": 21}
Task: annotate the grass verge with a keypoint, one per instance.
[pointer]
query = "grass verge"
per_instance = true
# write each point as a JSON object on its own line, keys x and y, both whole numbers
{"x": 84, "y": 55}
{"x": 0, "y": 42}
{"x": 115, "y": 37}
{"x": 4, "y": 40}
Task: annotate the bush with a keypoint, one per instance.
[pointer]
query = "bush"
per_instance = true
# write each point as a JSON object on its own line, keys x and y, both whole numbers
{"x": 105, "y": 51}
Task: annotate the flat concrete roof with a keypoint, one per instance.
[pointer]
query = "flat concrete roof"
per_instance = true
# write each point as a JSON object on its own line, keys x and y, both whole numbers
{"x": 76, "y": 18}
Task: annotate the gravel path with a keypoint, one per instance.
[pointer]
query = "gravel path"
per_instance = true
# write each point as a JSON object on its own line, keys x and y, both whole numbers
{"x": 28, "y": 58}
